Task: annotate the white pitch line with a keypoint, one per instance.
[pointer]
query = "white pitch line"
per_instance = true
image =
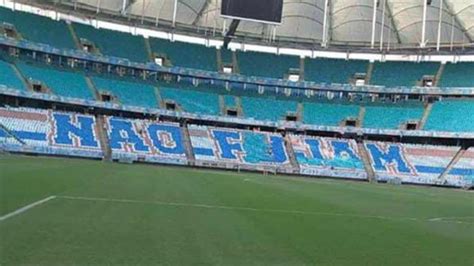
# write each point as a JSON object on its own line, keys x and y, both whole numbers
{"x": 255, "y": 209}
{"x": 25, "y": 208}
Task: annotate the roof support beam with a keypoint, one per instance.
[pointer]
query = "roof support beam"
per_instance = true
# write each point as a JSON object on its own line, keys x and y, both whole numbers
{"x": 440, "y": 19}
{"x": 382, "y": 28}
{"x": 175, "y": 11}
{"x": 423, "y": 24}
{"x": 98, "y": 7}
{"x": 374, "y": 18}
{"x": 325, "y": 24}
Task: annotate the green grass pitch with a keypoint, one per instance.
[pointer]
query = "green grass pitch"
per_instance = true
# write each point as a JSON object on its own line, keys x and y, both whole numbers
{"x": 116, "y": 214}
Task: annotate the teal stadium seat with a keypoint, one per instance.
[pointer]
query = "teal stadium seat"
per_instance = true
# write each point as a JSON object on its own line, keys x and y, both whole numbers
{"x": 128, "y": 93}
{"x": 328, "y": 114}
{"x": 9, "y": 78}
{"x": 267, "y": 108}
{"x": 39, "y": 29}
{"x": 68, "y": 84}
{"x": 393, "y": 74}
{"x": 391, "y": 116}
{"x": 458, "y": 75}
{"x": 226, "y": 56}
{"x": 230, "y": 101}
{"x": 266, "y": 64}
{"x": 325, "y": 70}
{"x": 186, "y": 54}
{"x": 114, "y": 43}
{"x": 192, "y": 101}
{"x": 452, "y": 115}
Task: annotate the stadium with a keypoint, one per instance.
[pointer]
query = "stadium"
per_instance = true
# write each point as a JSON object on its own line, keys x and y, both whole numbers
{"x": 236, "y": 132}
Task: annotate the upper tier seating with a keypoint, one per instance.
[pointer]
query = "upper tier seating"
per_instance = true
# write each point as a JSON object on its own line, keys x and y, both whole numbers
{"x": 458, "y": 75}
{"x": 192, "y": 101}
{"x": 39, "y": 29}
{"x": 452, "y": 115}
{"x": 391, "y": 116}
{"x": 325, "y": 70}
{"x": 9, "y": 78}
{"x": 392, "y": 74}
{"x": 266, "y": 65}
{"x": 328, "y": 114}
{"x": 63, "y": 83}
{"x": 186, "y": 54}
{"x": 128, "y": 93}
{"x": 114, "y": 43}
{"x": 262, "y": 108}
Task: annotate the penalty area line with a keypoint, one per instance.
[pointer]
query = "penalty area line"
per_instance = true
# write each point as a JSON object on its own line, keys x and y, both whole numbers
{"x": 282, "y": 211}
{"x": 25, "y": 208}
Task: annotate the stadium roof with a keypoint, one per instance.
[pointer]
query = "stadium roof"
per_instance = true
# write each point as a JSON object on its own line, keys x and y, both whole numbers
{"x": 398, "y": 23}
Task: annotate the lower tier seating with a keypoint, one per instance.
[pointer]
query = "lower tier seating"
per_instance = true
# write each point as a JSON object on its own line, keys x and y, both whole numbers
{"x": 452, "y": 115}
{"x": 240, "y": 147}
{"x": 329, "y": 114}
{"x": 128, "y": 93}
{"x": 9, "y": 77}
{"x": 68, "y": 84}
{"x": 262, "y": 108}
{"x": 410, "y": 163}
{"x": 48, "y": 132}
{"x": 192, "y": 101}
{"x": 71, "y": 134}
{"x": 391, "y": 116}
{"x": 328, "y": 157}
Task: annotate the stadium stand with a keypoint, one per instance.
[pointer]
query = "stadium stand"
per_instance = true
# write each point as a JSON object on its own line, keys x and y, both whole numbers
{"x": 325, "y": 70}
{"x": 266, "y": 65}
{"x": 53, "y": 79}
{"x": 462, "y": 173}
{"x": 148, "y": 141}
{"x": 391, "y": 116}
{"x": 54, "y": 33}
{"x": 240, "y": 147}
{"x": 196, "y": 56}
{"x": 410, "y": 163}
{"x": 329, "y": 114}
{"x": 71, "y": 134}
{"x": 392, "y": 74}
{"x": 230, "y": 101}
{"x": 192, "y": 101}
{"x": 114, "y": 43}
{"x": 48, "y": 132}
{"x": 328, "y": 157}
{"x": 458, "y": 75}
{"x": 9, "y": 77}
{"x": 452, "y": 115}
{"x": 128, "y": 93}
{"x": 267, "y": 108}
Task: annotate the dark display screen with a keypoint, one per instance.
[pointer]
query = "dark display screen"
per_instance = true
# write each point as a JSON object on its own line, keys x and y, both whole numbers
{"x": 260, "y": 10}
